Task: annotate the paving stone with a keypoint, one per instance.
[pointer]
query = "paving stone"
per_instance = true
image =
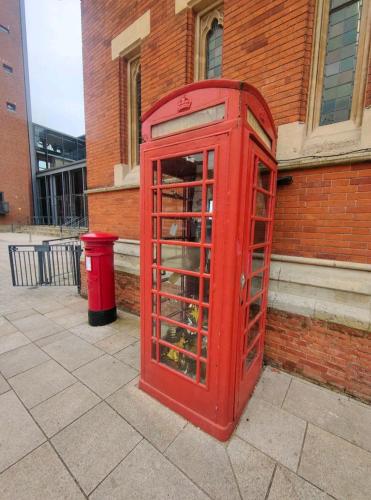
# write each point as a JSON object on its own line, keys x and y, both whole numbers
{"x": 336, "y": 466}
{"x": 105, "y": 375}
{"x": 60, "y": 410}
{"x": 130, "y": 355}
{"x": 205, "y": 461}
{"x": 21, "y": 359}
{"x": 4, "y": 386}
{"x": 72, "y": 352}
{"x": 47, "y": 306}
{"x": 67, "y": 317}
{"x": 40, "y": 475}
{"x": 52, "y": 338}
{"x": 18, "y": 432}
{"x": 6, "y": 327}
{"x": 41, "y": 382}
{"x": 12, "y": 341}
{"x": 37, "y": 326}
{"x": 152, "y": 419}
{"x": 144, "y": 474}
{"x": 272, "y": 386}
{"x": 273, "y": 431}
{"x": 116, "y": 342}
{"x": 253, "y": 469}
{"x": 92, "y": 333}
{"x": 24, "y": 313}
{"x": 94, "y": 444}
{"x": 331, "y": 411}
{"x": 288, "y": 485}
{"x": 128, "y": 323}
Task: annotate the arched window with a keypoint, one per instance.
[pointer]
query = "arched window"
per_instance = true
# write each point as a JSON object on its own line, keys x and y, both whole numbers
{"x": 209, "y": 44}
{"x": 214, "y": 45}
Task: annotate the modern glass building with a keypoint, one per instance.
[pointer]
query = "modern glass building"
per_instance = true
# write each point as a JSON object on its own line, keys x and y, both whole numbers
{"x": 60, "y": 178}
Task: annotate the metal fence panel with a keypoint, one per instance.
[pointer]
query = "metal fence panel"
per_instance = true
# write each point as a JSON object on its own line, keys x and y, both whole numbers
{"x": 54, "y": 263}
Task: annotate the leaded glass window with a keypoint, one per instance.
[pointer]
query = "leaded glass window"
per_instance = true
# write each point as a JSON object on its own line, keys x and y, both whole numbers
{"x": 340, "y": 61}
{"x": 214, "y": 44}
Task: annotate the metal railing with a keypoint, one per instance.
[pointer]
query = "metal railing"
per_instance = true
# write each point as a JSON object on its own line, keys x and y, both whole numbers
{"x": 53, "y": 263}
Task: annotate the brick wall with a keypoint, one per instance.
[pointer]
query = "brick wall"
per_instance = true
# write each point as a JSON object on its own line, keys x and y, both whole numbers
{"x": 328, "y": 353}
{"x": 15, "y": 173}
{"x": 325, "y": 213}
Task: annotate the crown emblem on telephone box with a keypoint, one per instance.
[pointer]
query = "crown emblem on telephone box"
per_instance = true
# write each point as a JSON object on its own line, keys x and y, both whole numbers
{"x": 184, "y": 103}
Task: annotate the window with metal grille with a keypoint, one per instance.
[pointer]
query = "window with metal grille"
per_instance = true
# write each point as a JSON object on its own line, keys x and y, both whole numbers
{"x": 340, "y": 61}
{"x": 214, "y": 44}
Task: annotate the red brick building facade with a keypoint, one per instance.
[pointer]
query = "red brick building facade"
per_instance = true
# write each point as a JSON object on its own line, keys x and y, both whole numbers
{"x": 319, "y": 320}
{"x": 15, "y": 170}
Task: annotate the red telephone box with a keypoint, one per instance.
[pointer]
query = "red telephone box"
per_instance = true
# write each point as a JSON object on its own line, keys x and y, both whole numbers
{"x": 208, "y": 181}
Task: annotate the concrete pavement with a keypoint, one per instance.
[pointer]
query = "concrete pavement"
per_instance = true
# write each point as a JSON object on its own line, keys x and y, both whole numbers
{"x": 74, "y": 425}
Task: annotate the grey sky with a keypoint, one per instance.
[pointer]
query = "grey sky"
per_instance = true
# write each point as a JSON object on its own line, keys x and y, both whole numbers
{"x": 55, "y": 64}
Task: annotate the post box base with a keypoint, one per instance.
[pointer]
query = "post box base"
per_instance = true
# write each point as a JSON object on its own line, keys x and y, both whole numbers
{"x": 101, "y": 318}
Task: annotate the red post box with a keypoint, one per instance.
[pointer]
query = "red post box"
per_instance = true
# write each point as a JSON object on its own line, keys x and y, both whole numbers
{"x": 208, "y": 182}
{"x": 100, "y": 277}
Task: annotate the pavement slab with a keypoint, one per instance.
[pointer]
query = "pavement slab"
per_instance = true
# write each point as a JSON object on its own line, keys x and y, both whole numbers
{"x": 21, "y": 359}
{"x": 71, "y": 351}
{"x": 4, "y": 386}
{"x": 11, "y": 341}
{"x": 273, "y": 431}
{"x": 253, "y": 469}
{"x": 40, "y": 475}
{"x": 273, "y": 386}
{"x": 204, "y": 460}
{"x": 105, "y": 375}
{"x": 130, "y": 355}
{"x": 18, "y": 432}
{"x": 146, "y": 474}
{"x": 287, "y": 485}
{"x": 6, "y": 326}
{"x": 116, "y": 342}
{"x": 92, "y": 333}
{"x": 333, "y": 412}
{"x": 94, "y": 444}
{"x": 336, "y": 466}
{"x": 60, "y": 410}
{"x": 41, "y": 382}
{"x": 154, "y": 421}
{"x": 37, "y": 326}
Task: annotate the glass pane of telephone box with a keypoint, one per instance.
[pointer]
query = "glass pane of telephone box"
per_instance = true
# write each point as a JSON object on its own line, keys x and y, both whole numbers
{"x": 180, "y": 257}
{"x": 182, "y": 199}
{"x": 184, "y": 229}
{"x": 181, "y": 285}
{"x": 179, "y": 311}
{"x": 178, "y": 361}
{"x": 263, "y": 177}
{"x": 261, "y": 204}
{"x": 260, "y": 232}
{"x": 186, "y": 168}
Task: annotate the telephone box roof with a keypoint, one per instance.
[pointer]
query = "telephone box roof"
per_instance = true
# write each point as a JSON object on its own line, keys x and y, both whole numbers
{"x": 217, "y": 83}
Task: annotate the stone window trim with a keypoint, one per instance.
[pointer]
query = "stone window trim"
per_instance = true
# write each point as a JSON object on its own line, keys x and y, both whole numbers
{"x": 133, "y": 72}
{"x": 317, "y": 72}
{"x": 306, "y": 144}
{"x": 203, "y": 25}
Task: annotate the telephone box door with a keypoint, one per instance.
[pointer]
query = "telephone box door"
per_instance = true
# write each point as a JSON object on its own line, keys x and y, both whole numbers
{"x": 181, "y": 202}
{"x": 254, "y": 282}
